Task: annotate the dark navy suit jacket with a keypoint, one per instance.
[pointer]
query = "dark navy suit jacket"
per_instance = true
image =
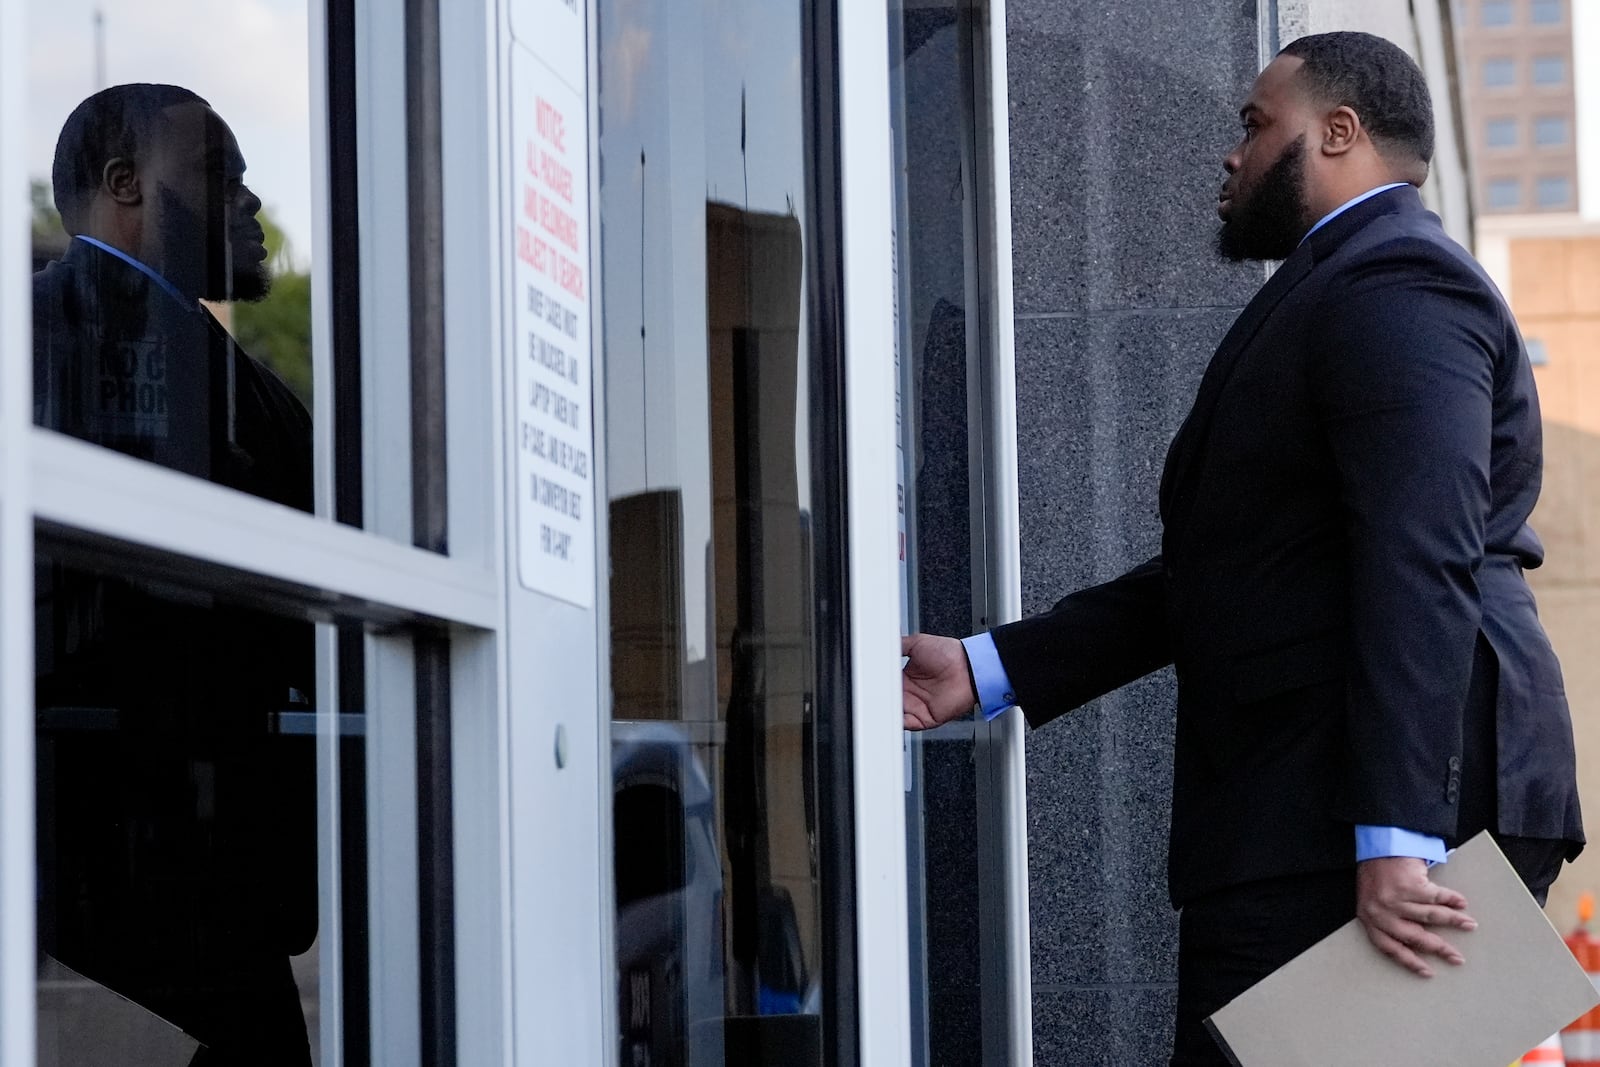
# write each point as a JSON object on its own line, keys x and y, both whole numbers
{"x": 178, "y": 860}
{"x": 1344, "y": 539}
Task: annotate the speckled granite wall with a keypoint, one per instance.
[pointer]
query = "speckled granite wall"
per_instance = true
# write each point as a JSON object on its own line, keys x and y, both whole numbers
{"x": 1120, "y": 114}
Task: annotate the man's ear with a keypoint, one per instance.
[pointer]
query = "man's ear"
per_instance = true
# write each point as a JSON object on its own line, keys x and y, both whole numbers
{"x": 120, "y": 180}
{"x": 1341, "y": 131}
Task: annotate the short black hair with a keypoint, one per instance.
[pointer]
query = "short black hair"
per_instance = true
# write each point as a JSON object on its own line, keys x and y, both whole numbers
{"x": 1377, "y": 80}
{"x": 115, "y": 122}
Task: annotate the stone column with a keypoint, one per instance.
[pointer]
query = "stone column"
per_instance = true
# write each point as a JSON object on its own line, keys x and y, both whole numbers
{"x": 1120, "y": 116}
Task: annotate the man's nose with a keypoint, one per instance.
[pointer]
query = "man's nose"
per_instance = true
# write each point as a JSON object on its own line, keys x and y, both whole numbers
{"x": 249, "y": 200}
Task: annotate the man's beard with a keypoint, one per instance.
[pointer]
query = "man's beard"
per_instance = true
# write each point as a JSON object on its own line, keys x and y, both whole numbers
{"x": 215, "y": 266}
{"x": 1268, "y": 219}
{"x": 248, "y": 282}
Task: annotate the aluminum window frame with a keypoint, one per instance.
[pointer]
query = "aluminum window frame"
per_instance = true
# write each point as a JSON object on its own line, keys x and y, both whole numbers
{"x": 95, "y": 502}
{"x": 17, "y": 859}
{"x": 100, "y": 505}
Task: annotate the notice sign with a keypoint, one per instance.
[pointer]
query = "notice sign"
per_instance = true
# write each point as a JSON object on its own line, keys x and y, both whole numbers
{"x": 553, "y": 425}
{"x": 554, "y": 31}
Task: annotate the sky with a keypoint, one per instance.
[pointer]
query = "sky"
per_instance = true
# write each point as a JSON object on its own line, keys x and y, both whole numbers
{"x": 249, "y": 58}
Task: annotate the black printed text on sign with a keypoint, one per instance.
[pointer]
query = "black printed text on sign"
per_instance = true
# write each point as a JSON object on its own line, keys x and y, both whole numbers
{"x": 553, "y": 434}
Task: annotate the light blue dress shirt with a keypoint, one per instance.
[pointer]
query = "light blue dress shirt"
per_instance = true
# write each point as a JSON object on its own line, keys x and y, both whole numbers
{"x": 995, "y": 694}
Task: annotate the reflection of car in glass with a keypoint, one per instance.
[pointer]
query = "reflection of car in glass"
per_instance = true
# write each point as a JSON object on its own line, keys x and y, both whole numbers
{"x": 671, "y": 966}
{"x": 669, "y": 899}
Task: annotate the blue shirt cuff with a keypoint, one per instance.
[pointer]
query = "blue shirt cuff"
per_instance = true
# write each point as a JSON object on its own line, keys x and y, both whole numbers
{"x": 989, "y": 677}
{"x": 1376, "y": 842}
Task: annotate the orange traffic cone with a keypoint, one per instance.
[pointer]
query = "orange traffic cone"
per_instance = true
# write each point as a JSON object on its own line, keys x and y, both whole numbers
{"x": 1581, "y": 1039}
{"x": 1548, "y": 1053}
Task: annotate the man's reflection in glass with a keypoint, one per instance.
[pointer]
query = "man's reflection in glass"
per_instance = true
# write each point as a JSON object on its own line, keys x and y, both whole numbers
{"x": 177, "y": 845}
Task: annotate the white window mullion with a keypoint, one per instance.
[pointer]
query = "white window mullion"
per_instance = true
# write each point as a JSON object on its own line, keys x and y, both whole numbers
{"x": 83, "y": 487}
{"x": 322, "y": 353}
{"x": 17, "y": 882}
{"x": 393, "y": 924}
{"x": 385, "y": 268}
{"x": 330, "y": 852}
{"x": 883, "y": 960}
{"x": 1003, "y": 806}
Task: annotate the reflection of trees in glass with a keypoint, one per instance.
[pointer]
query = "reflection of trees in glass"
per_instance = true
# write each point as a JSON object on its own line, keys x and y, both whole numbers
{"x": 277, "y": 330}
{"x": 46, "y": 220}
{"x": 49, "y": 239}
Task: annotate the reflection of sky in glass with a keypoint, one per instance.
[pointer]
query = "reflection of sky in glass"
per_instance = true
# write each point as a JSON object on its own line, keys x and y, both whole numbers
{"x": 672, "y": 78}
{"x": 247, "y": 57}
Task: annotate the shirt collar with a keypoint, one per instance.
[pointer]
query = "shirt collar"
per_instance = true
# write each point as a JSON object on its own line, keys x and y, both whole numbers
{"x": 189, "y": 303}
{"x": 1348, "y": 204}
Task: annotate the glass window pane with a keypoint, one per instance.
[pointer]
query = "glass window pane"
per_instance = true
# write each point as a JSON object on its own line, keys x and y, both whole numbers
{"x": 172, "y": 237}
{"x": 1555, "y": 192}
{"x": 722, "y": 873}
{"x": 1501, "y": 133}
{"x": 1499, "y": 72}
{"x": 1496, "y": 13}
{"x": 1550, "y": 131}
{"x": 178, "y": 865}
{"x": 1545, "y": 12}
{"x": 1550, "y": 70}
{"x": 1505, "y": 194}
{"x": 940, "y": 230}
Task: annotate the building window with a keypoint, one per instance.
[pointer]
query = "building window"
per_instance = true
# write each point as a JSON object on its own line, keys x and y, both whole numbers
{"x": 1496, "y": 13}
{"x": 1550, "y": 70}
{"x": 1550, "y": 131}
{"x": 1555, "y": 192}
{"x": 1546, "y": 12}
{"x": 1538, "y": 355}
{"x": 1501, "y": 133}
{"x": 1505, "y": 194}
{"x": 1499, "y": 73}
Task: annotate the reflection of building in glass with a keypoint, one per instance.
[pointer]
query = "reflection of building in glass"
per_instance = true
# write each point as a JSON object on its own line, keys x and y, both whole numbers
{"x": 1516, "y": 75}
{"x": 731, "y": 781}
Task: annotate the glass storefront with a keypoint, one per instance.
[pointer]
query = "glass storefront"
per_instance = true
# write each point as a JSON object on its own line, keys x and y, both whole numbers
{"x": 720, "y": 713}
{"x": 323, "y": 764}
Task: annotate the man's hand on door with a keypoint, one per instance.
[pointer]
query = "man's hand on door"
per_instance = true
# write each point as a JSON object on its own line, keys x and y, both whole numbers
{"x": 935, "y": 684}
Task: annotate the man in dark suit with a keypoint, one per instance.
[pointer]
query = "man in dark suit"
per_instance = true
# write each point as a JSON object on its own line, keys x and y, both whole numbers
{"x": 1362, "y": 677}
{"x": 177, "y": 855}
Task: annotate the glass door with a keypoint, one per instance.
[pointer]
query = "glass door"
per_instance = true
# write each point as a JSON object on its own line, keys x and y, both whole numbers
{"x": 724, "y": 799}
{"x": 738, "y": 602}
{"x": 966, "y": 835}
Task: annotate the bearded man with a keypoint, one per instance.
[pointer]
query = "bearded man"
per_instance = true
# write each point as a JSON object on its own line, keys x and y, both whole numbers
{"x": 177, "y": 834}
{"x": 1363, "y": 680}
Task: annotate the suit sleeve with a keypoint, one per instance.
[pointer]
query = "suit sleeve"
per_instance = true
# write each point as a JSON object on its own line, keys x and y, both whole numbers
{"x": 1090, "y": 643}
{"x": 1404, "y": 377}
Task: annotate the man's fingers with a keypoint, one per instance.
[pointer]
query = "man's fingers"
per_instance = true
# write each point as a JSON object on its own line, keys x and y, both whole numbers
{"x": 1437, "y": 915}
{"x": 906, "y": 641}
{"x": 1416, "y": 938}
{"x": 1423, "y": 941}
{"x": 1448, "y": 898}
{"x": 1398, "y": 952}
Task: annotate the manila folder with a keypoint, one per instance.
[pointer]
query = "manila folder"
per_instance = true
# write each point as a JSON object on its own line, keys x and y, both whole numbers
{"x": 1342, "y": 1002}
